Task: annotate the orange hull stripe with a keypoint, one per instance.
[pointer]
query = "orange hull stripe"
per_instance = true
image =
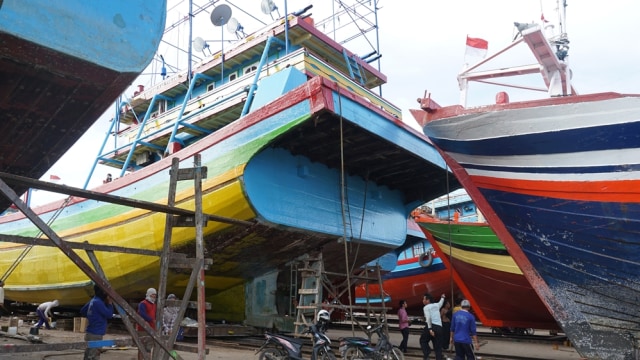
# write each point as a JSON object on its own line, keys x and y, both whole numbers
{"x": 605, "y": 191}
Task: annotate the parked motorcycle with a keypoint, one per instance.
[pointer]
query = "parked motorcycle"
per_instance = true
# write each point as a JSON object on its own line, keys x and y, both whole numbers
{"x": 280, "y": 347}
{"x": 358, "y": 348}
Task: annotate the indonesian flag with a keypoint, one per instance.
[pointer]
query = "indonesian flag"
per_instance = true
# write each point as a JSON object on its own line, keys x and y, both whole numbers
{"x": 543, "y": 19}
{"x": 54, "y": 178}
{"x": 476, "y": 48}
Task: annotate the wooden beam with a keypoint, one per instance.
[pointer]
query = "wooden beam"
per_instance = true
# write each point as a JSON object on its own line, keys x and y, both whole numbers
{"x": 20, "y": 348}
{"x": 74, "y": 245}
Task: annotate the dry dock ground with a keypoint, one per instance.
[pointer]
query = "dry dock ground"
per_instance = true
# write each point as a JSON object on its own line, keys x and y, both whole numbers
{"x": 491, "y": 349}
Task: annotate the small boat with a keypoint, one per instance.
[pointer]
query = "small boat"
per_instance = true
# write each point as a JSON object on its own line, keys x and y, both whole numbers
{"x": 60, "y": 72}
{"x": 418, "y": 270}
{"x": 300, "y": 153}
{"x": 502, "y": 297}
{"x": 558, "y": 181}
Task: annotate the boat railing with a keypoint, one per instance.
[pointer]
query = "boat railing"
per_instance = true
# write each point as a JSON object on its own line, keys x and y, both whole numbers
{"x": 200, "y": 106}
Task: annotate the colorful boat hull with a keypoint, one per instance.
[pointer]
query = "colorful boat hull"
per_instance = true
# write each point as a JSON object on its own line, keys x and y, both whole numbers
{"x": 262, "y": 168}
{"x": 558, "y": 181}
{"x": 501, "y": 294}
{"x": 60, "y": 72}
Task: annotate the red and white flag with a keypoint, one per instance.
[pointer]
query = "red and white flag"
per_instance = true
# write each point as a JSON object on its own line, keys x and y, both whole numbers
{"x": 543, "y": 19}
{"x": 476, "y": 48}
{"x": 54, "y": 178}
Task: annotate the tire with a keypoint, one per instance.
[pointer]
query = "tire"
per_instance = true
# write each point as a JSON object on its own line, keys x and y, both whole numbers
{"x": 396, "y": 354}
{"x": 326, "y": 355}
{"x": 352, "y": 352}
{"x": 429, "y": 258}
{"x": 272, "y": 354}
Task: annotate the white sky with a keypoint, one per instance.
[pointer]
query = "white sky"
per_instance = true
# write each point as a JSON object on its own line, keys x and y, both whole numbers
{"x": 422, "y": 45}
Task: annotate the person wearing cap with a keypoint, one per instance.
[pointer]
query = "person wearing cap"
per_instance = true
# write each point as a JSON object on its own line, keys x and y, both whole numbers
{"x": 433, "y": 331}
{"x": 147, "y": 310}
{"x": 97, "y": 311}
{"x": 463, "y": 332}
{"x": 169, "y": 315}
{"x": 44, "y": 313}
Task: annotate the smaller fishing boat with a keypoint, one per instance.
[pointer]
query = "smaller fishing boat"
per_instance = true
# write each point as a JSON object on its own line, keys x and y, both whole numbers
{"x": 418, "y": 270}
{"x": 502, "y": 297}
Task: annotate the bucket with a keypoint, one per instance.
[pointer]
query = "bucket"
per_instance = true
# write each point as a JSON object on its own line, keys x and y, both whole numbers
{"x": 13, "y": 330}
{"x": 33, "y": 331}
{"x": 20, "y": 322}
{"x": 13, "y": 322}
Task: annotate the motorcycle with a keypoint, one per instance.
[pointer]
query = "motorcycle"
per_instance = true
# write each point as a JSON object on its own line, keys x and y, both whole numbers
{"x": 280, "y": 347}
{"x": 357, "y": 348}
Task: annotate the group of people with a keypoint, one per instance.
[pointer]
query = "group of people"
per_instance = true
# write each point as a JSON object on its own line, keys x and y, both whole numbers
{"x": 100, "y": 309}
{"x": 443, "y": 328}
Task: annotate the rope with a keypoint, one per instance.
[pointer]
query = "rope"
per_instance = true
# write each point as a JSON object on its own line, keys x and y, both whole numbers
{"x": 451, "y": 283}
{"x": 342, "y": 203}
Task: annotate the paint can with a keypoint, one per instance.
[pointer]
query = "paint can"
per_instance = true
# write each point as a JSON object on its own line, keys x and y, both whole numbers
{"x": 13, "y": 330}
{"x": 33, "y": 331}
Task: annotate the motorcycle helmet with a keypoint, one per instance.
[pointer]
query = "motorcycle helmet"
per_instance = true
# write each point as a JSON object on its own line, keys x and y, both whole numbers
{"x": 323, "y": 316}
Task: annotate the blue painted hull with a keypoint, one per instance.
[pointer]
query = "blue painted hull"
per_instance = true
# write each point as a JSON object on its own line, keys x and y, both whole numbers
{"x": 62, "y": 64}
{"x": 559, "y": 185}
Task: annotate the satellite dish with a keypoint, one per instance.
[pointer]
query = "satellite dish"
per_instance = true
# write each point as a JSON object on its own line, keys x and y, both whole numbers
{"x": 220, "y": 15}
{"x": 199, "y": 44}
{"x": 234, "y": 27}
{"x": 267, "y": 7}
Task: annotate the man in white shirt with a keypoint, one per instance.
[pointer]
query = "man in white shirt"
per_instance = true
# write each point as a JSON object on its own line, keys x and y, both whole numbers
{"x": 433, "y": 330}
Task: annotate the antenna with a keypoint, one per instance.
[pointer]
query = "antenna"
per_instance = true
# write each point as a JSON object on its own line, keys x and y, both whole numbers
{"x": 199, "y": 44}
{"x": 234, "y": 27}
{"x": 268, "y": 7}
{"x": 219, "y": 17}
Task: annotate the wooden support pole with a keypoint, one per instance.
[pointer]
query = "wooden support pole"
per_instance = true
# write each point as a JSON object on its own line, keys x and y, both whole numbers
{"x": 202, "y": 324}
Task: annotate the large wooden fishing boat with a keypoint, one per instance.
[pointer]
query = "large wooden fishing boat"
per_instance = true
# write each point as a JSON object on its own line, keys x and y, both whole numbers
{"x": 298, "y": 149}
{"x": 557, "y": 180}
{"x": 60, "y": 72}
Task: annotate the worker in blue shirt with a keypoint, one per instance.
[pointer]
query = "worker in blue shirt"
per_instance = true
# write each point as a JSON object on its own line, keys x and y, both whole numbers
{"x": 97, "y": 311}
{"x": 463, "y": 332}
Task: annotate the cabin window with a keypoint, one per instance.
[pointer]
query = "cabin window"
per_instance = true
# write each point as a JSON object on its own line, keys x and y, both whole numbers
{"x": 162, "y": 106}
{"x": 233, "y": 77}
{"x": 211, "y": 87}
{"x": 250, "y": 69}
{"x": 418, "y": 249}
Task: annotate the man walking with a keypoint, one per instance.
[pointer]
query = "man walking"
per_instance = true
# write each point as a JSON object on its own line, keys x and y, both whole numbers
{"x": 463, "y": 329}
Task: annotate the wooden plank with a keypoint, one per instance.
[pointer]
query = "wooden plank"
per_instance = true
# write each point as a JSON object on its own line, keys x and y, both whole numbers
{"x": 21, "y": 348}
{"x": 74, "y": 245}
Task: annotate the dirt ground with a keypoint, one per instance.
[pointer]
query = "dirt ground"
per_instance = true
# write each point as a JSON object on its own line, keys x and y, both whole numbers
{"x": 9, "y": 343}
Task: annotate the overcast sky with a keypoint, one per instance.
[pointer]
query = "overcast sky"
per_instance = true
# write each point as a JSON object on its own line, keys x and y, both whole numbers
{"x": 422, "y": 44}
